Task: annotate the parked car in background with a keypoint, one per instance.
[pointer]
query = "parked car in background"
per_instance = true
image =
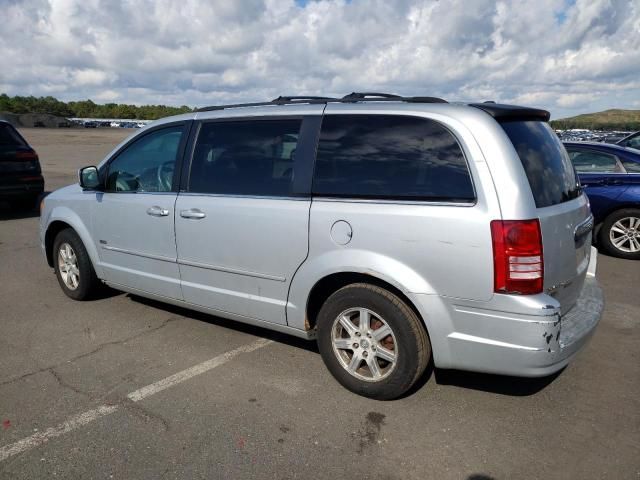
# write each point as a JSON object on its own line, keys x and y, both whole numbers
{"x": 90, "y": 124}
{"x": 610, "y": 175}
{"x": 21, "y": 181}
{"x": 393, "y": 230}
{"x": 630, "y": 141}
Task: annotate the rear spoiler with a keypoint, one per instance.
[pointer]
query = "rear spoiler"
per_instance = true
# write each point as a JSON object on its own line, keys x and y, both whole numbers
{"x": 512, "y": 113}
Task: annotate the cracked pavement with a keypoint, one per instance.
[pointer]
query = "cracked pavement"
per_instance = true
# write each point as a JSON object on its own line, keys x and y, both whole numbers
{"x": 276, "y": 412}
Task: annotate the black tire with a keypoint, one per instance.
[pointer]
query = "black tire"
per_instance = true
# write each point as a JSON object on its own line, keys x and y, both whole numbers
{"x": 409, "y": 341}
{"x": 87, "y": 281}
{"x": 605, "y": 234}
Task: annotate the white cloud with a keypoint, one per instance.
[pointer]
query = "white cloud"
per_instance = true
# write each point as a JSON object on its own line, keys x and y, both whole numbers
{"x": 566, "y": 56}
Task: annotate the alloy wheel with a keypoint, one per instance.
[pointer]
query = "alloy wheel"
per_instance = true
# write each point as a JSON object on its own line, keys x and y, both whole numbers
{"x": 625, "y": 234}
{"x": 68, "y": 266}
{"x": 364, "y": 344}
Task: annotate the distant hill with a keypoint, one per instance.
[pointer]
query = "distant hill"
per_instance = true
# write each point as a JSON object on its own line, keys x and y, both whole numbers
{"x": 614, "y": 119}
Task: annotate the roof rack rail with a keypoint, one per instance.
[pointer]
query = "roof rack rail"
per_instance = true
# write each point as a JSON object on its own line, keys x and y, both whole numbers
{"x": 355, "y": 96}
{"x": 235, "y": 105}
{"x": 381, "y": 97}
{"x": 284, "y": 99}
{"x": 351, "y": 98}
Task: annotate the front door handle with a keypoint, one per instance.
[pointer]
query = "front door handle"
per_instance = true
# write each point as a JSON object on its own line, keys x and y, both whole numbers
{"x": 157, "y": 211}
{"x": 193, "y": 213}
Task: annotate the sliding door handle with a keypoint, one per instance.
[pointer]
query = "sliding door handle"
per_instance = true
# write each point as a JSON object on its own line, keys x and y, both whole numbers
{"x": 156, "y": 211}
{"x": 193, "y": 213}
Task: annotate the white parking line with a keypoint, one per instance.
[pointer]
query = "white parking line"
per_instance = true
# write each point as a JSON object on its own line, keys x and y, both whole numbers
{"x": 85, "y": 418}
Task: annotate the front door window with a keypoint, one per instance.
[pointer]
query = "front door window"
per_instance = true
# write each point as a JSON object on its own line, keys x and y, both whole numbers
{"x": 148, "y": 164}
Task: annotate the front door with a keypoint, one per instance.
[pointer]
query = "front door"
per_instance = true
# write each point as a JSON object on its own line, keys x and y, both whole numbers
{"x": 242, "y": 224}
{"x": 133, "y": 218}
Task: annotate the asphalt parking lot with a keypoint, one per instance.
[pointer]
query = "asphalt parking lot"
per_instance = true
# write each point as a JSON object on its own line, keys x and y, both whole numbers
{"x": 122, "y": 387}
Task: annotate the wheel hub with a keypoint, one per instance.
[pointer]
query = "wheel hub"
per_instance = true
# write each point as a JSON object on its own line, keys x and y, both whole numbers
{"x": 364, "y": 344}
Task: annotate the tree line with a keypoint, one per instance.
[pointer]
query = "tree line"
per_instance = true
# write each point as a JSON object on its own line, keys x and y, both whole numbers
{"x": 86, "y": 108}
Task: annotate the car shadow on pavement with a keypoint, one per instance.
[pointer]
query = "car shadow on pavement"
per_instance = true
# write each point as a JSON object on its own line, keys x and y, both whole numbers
{"x": 230, "y": 324}
{"x": 498, "y": 384}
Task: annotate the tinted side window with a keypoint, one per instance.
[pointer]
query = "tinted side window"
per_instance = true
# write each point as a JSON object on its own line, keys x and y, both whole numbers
{"x": 146, "y": 165}
{"x": 545, "y": 160}
{"x": 586, "y": 161}
{"x": 248, "y": 157}
{"x": 390, "y": 156}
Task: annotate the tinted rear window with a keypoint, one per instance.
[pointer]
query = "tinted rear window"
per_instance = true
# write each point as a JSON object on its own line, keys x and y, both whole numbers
{"x": 390, "y": 157}
{"x": 545, "y": 161}
{"x": 9, "y": 137}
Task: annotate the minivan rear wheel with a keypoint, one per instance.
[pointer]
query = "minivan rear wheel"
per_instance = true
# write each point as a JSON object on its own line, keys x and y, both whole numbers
{"x": 73, "y": 267}
{"x": 372, "y": 342}
{"x": 620, "y": 234}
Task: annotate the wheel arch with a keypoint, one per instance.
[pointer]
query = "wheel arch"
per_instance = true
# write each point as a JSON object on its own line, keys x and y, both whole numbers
{"x": 328, "y": 285}
{"x": 62, "y": 218}
{"x": 335, "y": 267}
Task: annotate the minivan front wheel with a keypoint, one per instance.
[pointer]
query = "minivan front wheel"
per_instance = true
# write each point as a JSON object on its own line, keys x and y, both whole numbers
{"x": 620, "y": 234}
{"x": 73, "y": 267}
{"x": 372, "y": 342}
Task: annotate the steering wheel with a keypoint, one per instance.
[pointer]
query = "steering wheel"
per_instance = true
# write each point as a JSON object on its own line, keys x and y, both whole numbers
{"x": 165, "y": 176}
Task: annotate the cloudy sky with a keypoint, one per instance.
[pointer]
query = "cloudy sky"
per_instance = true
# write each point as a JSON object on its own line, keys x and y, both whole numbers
{"x": 568, "y": 56}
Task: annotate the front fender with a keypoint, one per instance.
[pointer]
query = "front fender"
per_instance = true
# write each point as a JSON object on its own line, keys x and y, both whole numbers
{"x": 396, "y": 273}
{"x": 64, "y": 214}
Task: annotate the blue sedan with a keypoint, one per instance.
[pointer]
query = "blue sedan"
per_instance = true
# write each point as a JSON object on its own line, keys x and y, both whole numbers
{"x": 610, "y": 175}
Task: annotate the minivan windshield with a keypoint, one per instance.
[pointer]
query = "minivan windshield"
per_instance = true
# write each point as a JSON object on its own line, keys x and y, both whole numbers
{"x": 545, "y": 161}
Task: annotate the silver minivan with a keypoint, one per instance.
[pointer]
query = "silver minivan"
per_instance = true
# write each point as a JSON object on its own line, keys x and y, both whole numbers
{"x": 394, "y": 230}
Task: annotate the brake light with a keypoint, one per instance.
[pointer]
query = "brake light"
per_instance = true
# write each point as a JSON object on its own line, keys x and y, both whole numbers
{"x": 518, "y": 265}
{"x": 26, "y": 156}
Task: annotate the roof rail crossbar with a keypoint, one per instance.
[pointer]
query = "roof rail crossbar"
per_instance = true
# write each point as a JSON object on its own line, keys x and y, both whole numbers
{"x": 424, "y": 100}
{"x": 365, "y": 95}
{"x": 286, "y": 99}
{"x": 235, "y": 105}
{"x": 381, "y": 97}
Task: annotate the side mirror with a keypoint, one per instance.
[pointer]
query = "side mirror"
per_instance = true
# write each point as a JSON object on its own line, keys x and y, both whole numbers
{"x": 88, "y": 178}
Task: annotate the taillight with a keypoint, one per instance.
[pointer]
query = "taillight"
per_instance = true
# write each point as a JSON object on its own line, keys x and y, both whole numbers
{"x": 518, "y": 265}
{"x": 28, "y": 155}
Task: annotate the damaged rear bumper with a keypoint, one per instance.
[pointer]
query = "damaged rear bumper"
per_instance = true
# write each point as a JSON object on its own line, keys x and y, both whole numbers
{"x": 520, "y": 344}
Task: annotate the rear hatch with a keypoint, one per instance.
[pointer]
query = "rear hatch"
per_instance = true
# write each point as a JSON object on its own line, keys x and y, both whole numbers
{"x": 16, "y": 156}
{"x": 563, "y": 211}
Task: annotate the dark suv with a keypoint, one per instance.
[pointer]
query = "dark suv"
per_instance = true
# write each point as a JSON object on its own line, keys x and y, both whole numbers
{"x": 21, "y": 181}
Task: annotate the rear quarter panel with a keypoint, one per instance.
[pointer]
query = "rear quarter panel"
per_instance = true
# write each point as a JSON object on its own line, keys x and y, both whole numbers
{"x": 420, "y": 248}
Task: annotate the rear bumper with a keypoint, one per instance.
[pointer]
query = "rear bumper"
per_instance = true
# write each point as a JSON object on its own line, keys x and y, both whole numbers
{"x": 521, "y": 344}
{"x": 31, "y": 185}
